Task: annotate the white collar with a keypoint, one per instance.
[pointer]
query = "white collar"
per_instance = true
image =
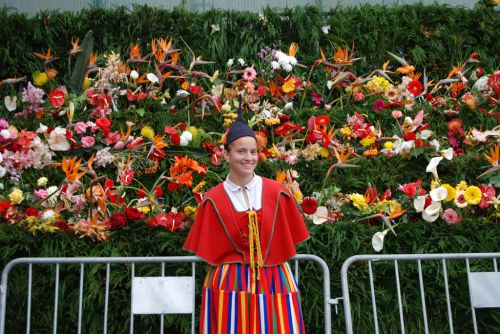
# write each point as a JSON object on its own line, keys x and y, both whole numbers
{"x": 234, "y": 187}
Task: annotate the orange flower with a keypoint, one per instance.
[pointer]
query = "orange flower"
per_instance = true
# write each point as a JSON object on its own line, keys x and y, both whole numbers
{"x": 71, "y": 167}
{"x": 48, "y": 57}
{"x": 135, "y": 51}
{"x": 75, "y": 47}
{"x": 292, "y": 51}
{"x": 406, "y": 69}
{"x": 493, "y": 158}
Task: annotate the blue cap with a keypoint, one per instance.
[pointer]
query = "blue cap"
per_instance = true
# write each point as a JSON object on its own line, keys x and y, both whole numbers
{"x": 239, "y": 129}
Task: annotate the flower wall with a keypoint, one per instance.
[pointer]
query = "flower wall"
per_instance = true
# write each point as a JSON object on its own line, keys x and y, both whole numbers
{"x": 112, "y": 157}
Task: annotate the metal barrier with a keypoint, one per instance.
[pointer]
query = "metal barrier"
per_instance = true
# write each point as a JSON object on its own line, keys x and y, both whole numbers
{"x": 136, "y": 285}
{"x": 484, "y": 288}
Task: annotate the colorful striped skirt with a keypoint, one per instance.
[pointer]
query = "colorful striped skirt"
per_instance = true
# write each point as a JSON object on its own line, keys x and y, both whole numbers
{"x": 234, "y": 303}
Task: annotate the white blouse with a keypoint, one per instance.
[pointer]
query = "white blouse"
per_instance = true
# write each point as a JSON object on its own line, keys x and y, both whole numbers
{"x": 254, "y": 193}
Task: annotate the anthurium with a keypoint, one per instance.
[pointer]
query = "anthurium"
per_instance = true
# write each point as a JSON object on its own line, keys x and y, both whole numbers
{"x": 56, "y": 97}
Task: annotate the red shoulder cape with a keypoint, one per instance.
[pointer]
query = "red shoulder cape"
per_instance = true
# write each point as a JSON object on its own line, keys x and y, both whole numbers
{"x": 215, "y": 236}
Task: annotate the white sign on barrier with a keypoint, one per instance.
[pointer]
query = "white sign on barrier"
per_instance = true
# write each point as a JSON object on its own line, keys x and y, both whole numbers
{"x": 485, "y": 289}
{"x": 163, "y": 295}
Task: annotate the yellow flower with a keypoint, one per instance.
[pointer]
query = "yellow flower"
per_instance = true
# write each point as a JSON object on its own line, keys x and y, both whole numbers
{"x": 272, "y": 121}
{"x": 346, "y": 131}
{"x": 378, "y": 84}
{"x": 199, "y": 186}
{"x": 16, "y": 196}
{"x": 274, "y": 151}
{"x": 190, "y": 211}
{"x": 40, "y": 78}
{"x": 227, "y": 122}
{"x": 42, "y": 182}
{"x": 298, "y": 195}
{"x": 323, "y": 152}
{"x": 451, "y": 192}
{"x": 367, "y": 141}
{"x": 473, "y": 195}
{"x": 358, "y": 200}
{"x": 144, "y": 209}
{"x": 147, "y": 132}
{"x": 461, "y": 186}
{"x": 388, "y": 145}
{"x": 289, "y": 86}
{"x": 435, "y": 184}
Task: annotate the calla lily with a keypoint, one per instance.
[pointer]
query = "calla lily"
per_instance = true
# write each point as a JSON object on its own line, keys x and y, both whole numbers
{"x": 434, "y": 143}
{"x": 425, "y": 134}
{"x": 152, "y": 78}
{"x": 432, "y": 166}
{"x": 320, "y": 216}
{"x": 419, "y": 203}
{"x": 448, "y": 153}
{"x": 378, "y": 240}
{"x": 10, "y": 102}
{"x": 431, "y": 213}
{"x": 438, "y": 194}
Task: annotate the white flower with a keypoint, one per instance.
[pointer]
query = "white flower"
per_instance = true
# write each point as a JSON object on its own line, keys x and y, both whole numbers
{"x": 48, "y": 214}
{"x": 326, "y": 29}
{"x": 275, "y": 65}
{"x": 434, "y": 143}
{"x": 230, "y": 62}
{"x": 2, "y": 173}
{"x": 5, "y": 134}
{"x": 152, "y": 78}
{"x": 425, "y": 134}
{"x": 289, "y": 105}
{"x": 448, "y": 153}
{"x": 288, "y": 68}
{"x": 1, "y": 157}
{"x": 432, "y": 166}
{"x": 57, "y": 140}
{"x": 186, "y": 137}
{"x": 10, "y": 102}
{"x": 378, "y": 240}
{"x": 215, "y": 28}
{"x": 419, "y": 203}
{"x": 182, "y": 93}
{"x": 42, "y": 182}
{"x": 431, "y": 213}
{"x": 481, "y": 84}
{"x": 241, "y": 61}
{"x": 42, "y": 128}
{"x": 438, "y": 194}
{"x": 329, "y": 84}
{"x": 217, "y": 90}
{"x": 320, "y": 216}
{"x": 134, "y": 75}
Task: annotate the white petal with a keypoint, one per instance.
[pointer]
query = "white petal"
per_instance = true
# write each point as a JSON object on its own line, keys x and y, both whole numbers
{"x": 320, "y": 216}
{"x": 448, "y": 153}
{"x": 419, "y": 203}
{"x": 10, "y": 103}
{"x": 433, "y": 209}
{"x": 151, "y": 77}
{"x": 429, "y": 218}
{"x": 134, "y": 75}
{"x": 378, "y": 240}
{"x": 425, "y": 134}
{"x": 438, "y": 194}
{"x": 434, "y": 143}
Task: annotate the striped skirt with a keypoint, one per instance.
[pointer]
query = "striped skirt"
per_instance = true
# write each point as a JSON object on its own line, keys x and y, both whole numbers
{"x": 233, "y": 303}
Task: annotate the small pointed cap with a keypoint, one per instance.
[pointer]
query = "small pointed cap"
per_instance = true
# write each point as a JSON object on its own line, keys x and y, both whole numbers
{"x": 239, "y": 128}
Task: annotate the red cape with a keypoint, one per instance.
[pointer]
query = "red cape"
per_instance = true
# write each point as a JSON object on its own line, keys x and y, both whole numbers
{"x": 215, "y": 236}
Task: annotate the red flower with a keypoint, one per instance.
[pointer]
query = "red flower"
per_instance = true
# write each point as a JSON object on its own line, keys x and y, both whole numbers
{"x": 127, "y": 177}
{"x": 410, "y": 189}
{"x": 141, "y": 193}
{"x": 31, "y": 212}
{"x": 173, "y": 221}
{"x": 494, "y": 82}
{"x": 56, "y": 97}
{"x": 158, "y": 191}
{"x": 378, "y": 105}
{"x": 133, "y": 214}
{"x": 103, "y": 123}
{"x": 455, "y": 125}
{"x": 309, "y": 205}
{"x": 173, "y": 186}
{"x": 415, "y": 87}
{"x": 62, "y": 225}
{"x": 262, "y": 90}
{"x": 118, "y": 221}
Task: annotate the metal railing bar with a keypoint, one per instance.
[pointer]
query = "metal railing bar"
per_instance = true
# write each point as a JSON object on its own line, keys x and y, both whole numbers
{"x": 80, "y": 298}
{"x": 447, "y": 290}
{"x": 28, "y": 311}
{"x": 398, "y": 286}
{"x": 473, "y": 311}
{"x": 374, "y": 303}
{"x": 193, "y": 315}
{"x": 162, "y": 316}
{"x": 132, "y": 275}
{"x": 422, "y": 295}
{"x": 495, "y": 267}
{"x": 106, "y": 298}
{"x": 56, "y": 298}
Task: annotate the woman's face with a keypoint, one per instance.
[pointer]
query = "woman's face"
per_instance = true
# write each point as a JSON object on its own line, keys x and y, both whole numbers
{"x": 242, "y": 157}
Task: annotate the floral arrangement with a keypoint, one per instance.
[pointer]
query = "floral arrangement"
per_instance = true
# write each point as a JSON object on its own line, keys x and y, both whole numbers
{"x": 137, "y": 139}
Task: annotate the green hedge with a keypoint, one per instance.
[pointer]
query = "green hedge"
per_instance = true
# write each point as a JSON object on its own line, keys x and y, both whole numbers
{"x": 435, "y": 37}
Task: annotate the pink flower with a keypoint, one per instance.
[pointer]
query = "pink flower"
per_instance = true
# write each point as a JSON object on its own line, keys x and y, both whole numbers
{"x": 80, "y": 127}
{"x": 410, "y": 189}
{"x": 488, "y": 194}
{"x": 358, "y": 96}
{"x": 88, "y": 141}
{"x": 451, "y": 216}
{"x": 40, "y": 193}
{"x": 397, "y": 114}
{"x": 127, "y": 177}
{"x": 378, "y": 105}
{"x": 249, "y": 74}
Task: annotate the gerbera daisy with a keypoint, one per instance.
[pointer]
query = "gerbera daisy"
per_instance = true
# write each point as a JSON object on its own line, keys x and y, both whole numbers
{"x": 309, "y": 205}
{"x": 249, "y": 74}
{"x": 473, "y": 195}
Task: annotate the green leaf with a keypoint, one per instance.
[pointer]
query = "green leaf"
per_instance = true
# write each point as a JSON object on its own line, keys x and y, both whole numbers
{"x": 82, "y": 63}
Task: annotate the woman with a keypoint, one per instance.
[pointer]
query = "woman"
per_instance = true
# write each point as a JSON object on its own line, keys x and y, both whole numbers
{"x": 247, "y": 228}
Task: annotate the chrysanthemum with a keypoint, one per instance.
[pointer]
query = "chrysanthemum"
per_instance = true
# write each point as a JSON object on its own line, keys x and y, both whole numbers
{"x": 451, "y": 192}
{"x": 473, "y": 195}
